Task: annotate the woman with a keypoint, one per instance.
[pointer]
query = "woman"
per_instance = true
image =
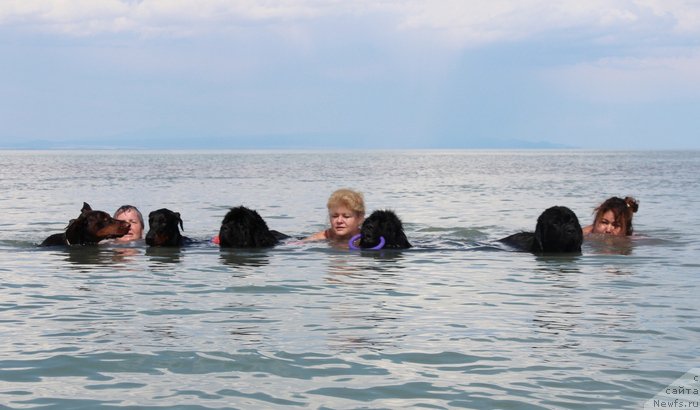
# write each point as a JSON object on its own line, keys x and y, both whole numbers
{"x": 346, "y": 212}
{"x": 131, "y": 214}
{"x": 614, "y": 217}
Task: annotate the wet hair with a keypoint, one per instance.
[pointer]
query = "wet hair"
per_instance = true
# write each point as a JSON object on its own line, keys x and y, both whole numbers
{"x": 623, "y": 209}
{"x": 126, "y": 208}
{"x": 353, "y": 200}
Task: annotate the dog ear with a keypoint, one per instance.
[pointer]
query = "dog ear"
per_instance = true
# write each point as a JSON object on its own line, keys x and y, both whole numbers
{"x": 75, "y": 227}
{"x": 86, "y": 207}
{"x": 537, "y": 244}
{"x": 71, "y": 222}
{"x": 539, "y": 247}
{"x": 177, "y": 215}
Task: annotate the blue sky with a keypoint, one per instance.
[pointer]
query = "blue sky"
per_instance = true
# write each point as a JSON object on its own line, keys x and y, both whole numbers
{"x": 600, "y": 74}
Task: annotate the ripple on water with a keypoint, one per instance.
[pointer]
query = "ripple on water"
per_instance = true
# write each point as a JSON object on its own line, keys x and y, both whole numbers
{"x": 454, "y": 322}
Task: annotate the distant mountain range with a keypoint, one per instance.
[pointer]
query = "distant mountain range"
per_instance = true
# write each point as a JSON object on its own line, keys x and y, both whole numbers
{"x": 273, "y": 142}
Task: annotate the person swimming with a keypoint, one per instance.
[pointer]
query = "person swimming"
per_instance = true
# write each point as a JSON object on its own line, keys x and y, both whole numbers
{"x": 346, "y": 212}
{"x": 131, "y": 214}
{"x": 614, "y": 217}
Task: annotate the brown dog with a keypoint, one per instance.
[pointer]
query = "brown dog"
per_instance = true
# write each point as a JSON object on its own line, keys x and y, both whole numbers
{"x": 89, "y": 228}
{"x": 164, "y": 229}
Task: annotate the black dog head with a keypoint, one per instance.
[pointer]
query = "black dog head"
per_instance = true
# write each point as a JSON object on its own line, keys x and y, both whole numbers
{"x": 557, "y": 231}
{"x": 91, "y": 226}
{"x": 245, "y": 228}
{"x": 164, "y": 228}
{"x": 383, "y": 223}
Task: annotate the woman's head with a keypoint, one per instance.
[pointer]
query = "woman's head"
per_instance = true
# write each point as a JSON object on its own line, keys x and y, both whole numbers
{"x": 346, "y": 211}
{"x": 131, "y": 214}
{"x": 614, "y": 216}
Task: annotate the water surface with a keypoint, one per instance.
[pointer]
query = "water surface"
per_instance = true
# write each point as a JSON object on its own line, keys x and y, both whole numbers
{"x": 450, "y": 323}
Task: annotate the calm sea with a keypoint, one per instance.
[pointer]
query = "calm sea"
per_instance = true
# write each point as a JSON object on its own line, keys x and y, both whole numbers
{"x": 450, "y": 323}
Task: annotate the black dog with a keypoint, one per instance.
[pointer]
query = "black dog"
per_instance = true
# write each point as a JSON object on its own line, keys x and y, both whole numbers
{"x": 245, "y": 228}
{"x": 383, "y": 224}
{"x": 89, "y": 228}
{"x": 164, "y": 229}
{"x": 557, "y": 231}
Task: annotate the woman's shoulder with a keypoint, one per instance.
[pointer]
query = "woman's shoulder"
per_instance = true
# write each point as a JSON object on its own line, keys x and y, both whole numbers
{"x": 318, "y": 236}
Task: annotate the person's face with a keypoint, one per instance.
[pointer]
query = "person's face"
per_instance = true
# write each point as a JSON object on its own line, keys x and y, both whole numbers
{"x": 607, "y": 224}
{"x": 344, "y": 222}
{"x": 136, "y": 229}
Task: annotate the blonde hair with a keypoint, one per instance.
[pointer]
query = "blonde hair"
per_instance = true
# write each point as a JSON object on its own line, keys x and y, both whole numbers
{"x": 353, "y": 200}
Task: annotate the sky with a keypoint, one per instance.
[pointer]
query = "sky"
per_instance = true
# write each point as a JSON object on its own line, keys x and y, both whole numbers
{"x": 305, "y": 74}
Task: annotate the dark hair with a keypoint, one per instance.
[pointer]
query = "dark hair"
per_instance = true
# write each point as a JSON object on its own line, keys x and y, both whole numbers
{"x": 623, "y": 209}
{"x": 126, "y": 208}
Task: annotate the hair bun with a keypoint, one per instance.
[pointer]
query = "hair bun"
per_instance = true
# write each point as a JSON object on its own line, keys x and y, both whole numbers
{"x": 632, "y": 204}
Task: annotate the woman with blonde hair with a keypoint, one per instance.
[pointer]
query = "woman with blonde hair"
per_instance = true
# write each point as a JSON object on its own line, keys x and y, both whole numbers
{"x": 346, "y": 212}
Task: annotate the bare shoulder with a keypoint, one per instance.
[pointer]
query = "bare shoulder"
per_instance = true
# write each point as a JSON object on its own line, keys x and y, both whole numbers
{"x": 319, "y": 236}
{"x": 588, "y": 229}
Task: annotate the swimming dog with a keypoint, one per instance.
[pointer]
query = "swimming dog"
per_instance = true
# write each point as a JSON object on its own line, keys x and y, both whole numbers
{"x": 89, "y": 228}
{"x": 164, "y": 229}
{"x": 381, "y": 230}
{"x": 245, "y": 228}
{"x": 557, "y": 231}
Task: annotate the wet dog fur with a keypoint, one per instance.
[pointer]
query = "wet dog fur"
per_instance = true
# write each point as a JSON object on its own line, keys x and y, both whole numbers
{"x": 557, "y": 231}
{"x": 383, "y": 223}
{"x": 245, "y": 228}
{"x": 164, "y": 229}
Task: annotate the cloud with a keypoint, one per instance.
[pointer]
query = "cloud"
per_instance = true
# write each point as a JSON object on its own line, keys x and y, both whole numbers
{"x": 631, "y": 79}
{"x": 527, "y": 69}
{"x": 458, "y": 22}
{"x": 683, "y": 15}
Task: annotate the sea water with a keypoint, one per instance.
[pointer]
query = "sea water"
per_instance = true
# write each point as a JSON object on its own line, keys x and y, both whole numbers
{"x": 453, "y": 322}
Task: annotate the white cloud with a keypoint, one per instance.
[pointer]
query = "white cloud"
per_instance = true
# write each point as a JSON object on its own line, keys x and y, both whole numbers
{"x": 631, "y": 80}
{"x": 477, "y": 22}
{"x": 472, "y": 22}
{"x": 685, "y": 14}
